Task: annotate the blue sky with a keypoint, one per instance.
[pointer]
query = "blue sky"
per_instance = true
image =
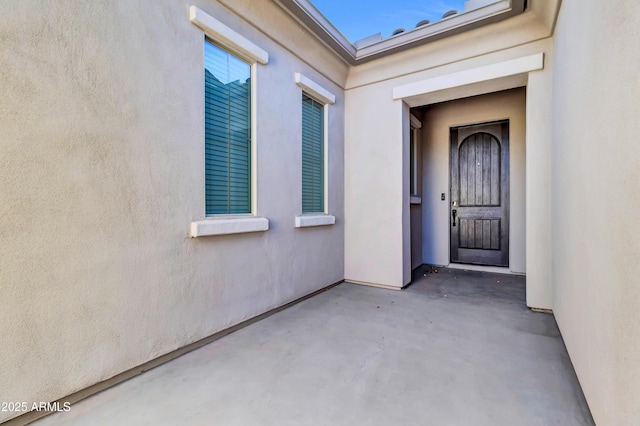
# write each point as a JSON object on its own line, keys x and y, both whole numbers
{"x": 357, "y": 19}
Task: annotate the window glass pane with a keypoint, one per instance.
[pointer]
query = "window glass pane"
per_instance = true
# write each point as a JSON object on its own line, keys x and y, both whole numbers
{"x": 227, "y": 132}
{"x": 312, "y": 156}
{"x": 412, "y": 162}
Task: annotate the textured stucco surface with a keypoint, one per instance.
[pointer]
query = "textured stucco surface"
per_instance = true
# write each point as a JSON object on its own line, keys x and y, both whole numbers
{"x": 596, "y": 199}
{"x": 438, "y": 119}
{"x": 539, "y": 183}
{"x": 274, "y": 22}
{"x": 101, "y": 134}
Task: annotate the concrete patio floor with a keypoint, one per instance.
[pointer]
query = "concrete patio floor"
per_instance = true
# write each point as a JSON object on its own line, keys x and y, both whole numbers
{"x": 455, "y": 348}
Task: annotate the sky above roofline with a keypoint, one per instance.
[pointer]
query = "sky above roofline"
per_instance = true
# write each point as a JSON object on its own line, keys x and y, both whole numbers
{"x": 357, "y": 19}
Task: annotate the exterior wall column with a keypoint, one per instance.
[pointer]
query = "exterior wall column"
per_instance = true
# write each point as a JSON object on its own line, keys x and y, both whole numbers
{"x": 538, "y": 204}
{"x": 377, "y": 233}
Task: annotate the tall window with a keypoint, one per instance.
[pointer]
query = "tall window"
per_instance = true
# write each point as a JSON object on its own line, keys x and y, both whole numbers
{"x": 413, "y": 178}
{"x": 227, "y": 88}
{"x": 312, "y": 155}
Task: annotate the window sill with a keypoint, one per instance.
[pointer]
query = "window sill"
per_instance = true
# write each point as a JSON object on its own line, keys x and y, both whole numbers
{"x": 239, "y": 225}
{"x": 415, "y": 200}
{"x": 305, "y": 221}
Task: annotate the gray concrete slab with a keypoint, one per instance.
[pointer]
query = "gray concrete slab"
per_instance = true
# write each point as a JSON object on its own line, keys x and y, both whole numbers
{"x": 455, "y": 348}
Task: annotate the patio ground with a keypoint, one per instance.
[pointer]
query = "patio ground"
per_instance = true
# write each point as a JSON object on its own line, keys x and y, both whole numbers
{"x": 455, "y": 348}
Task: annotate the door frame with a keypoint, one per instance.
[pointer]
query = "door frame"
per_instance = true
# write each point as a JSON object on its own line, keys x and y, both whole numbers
{"x": 454, "y": 137}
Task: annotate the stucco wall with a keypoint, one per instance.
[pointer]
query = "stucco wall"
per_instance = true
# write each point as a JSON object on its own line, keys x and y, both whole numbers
{"x": 374, "y": 187}
{"x": 538, "y": 184}
{"x": 596, "y": 199}
{"x": 437, "y": 120}
{"x": 101, "y": 134}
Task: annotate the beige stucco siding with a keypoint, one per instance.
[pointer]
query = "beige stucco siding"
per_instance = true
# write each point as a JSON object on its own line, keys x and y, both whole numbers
{"x": 101, "y": 124}
{"x": 596, "y": 199}
{"x": 438, "y": 119}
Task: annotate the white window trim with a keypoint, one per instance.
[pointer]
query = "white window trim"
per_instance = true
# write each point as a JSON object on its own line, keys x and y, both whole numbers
{"x": 305, "y": 221}
{"x": 228, "y": 225}
{"x": 242, "y": 47}
{"x": 322, "y": 95}
{"x": 227, "y": 37}
{"x": 415, "y": 122}
{"x": 313, "y": 89}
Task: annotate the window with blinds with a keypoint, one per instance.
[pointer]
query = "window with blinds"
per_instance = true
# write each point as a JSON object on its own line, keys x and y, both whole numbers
{"x": 413, "y": 184}
{"x": 312, "y": 155}
{"x": 227, "y": 88}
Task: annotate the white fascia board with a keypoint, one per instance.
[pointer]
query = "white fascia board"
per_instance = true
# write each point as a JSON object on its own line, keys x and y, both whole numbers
{"x": 306, "y": 12}
{"x": 315, "y": 220}
{"x": 441, "y": 26}
{"x": 226, "y": 36}
{"x": 314, "y": 89}
{"x": 214, "y": 226}
{"x": 474, "y": 75}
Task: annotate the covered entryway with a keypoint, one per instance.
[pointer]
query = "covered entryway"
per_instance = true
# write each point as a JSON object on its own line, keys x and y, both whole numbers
{"x": 378, "y": 228}
{"x": 474, "y": 181}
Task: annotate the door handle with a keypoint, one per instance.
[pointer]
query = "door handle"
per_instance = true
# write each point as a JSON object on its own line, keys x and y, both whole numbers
{"x": 454, "y": 212}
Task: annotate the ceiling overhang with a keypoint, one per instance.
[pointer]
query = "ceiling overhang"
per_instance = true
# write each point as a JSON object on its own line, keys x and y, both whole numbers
{"x": 470, "y": 82}
{"x": 319, "y": 25}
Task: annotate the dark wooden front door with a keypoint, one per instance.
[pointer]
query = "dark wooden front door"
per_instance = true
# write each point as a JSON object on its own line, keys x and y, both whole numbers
{"x": 479, "y": 213}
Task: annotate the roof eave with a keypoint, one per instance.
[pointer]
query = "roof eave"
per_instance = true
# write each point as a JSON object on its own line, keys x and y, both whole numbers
{"x": 322, "y": 28}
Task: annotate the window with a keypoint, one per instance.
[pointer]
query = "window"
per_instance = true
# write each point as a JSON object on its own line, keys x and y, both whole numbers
{"x": 414, "y": 144}
{"x": 227, "y": 132}
{"x": 315, "y": 153}
{"x": 312, "y": 155}
{"x": 229, "y": 137}
{"x": 413, "y": 178}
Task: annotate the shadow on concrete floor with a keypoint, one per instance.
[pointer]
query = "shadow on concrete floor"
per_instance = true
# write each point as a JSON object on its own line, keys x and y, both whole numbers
{"x": 454, "y": 348}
